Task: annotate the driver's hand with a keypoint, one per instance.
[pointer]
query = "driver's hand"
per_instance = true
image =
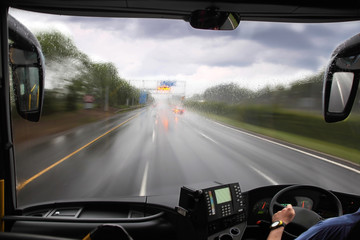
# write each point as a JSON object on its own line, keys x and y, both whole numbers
{"x": 286, "y": 215}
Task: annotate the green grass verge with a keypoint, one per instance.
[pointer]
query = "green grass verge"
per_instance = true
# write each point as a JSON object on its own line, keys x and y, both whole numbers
{"x": 333, "y": 149}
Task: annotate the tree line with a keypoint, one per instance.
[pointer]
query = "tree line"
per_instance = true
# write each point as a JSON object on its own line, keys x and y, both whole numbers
{"x": 71, "y": 75}
{"x": 304, "y": 94}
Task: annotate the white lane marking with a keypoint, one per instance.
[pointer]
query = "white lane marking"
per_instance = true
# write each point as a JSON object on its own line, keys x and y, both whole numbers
{"x": 153, "y": 136}
{"x": 144, "y": 180}
{"x": 294, "y": 149}
{"x": 58, "y": 139}
{"x": 80, "y": 131}
{"x": 272, "y": 181}
{"x": 207, "y": 137}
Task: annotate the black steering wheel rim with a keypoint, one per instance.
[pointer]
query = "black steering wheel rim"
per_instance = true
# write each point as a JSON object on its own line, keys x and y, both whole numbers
{"x": 311, "y": 217}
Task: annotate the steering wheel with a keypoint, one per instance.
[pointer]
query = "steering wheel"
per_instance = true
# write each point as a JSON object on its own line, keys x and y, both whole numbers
{"x": 304, "y": 218}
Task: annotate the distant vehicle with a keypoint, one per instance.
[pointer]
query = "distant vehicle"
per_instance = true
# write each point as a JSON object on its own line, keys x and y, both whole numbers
{"x": 178, "y": 110}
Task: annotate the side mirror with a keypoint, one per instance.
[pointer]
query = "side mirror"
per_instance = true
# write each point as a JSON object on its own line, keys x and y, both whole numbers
{"x": 342, "y": 80}
{"x": 214, "y": 20}
{"x": 27, "y": 70}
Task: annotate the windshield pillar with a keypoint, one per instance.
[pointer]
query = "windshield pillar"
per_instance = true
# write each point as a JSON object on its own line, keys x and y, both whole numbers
{"x": 6, "y": 146}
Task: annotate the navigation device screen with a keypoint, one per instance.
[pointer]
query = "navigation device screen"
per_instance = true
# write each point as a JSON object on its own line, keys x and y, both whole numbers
{"x": 222, "y": 195}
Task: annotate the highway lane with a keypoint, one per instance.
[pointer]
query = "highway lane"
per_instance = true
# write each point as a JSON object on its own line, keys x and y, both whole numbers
{"x": 157, "y": 152}
{"x": 34, "y": 156}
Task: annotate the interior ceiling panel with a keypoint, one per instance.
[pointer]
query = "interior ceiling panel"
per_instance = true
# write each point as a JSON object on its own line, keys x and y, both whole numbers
{"x": 257, "y": 10}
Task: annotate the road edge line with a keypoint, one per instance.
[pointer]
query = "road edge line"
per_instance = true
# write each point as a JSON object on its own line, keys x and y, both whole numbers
{"x": 291, "y": 148}
{"x": 26, "y": 182}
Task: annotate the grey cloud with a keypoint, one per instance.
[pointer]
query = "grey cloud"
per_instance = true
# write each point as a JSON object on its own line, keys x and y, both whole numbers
{"x": 146, "y": 28}
{"x": 139, "y": 28}
{"x": 305, "y": 45}
{"x": 264, "y": 32}
{"x": 282, "y": 38}
{"x": 304, "y": 60}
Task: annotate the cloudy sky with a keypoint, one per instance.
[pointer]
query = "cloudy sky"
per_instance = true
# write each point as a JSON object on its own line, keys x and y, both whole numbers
{"x": 254, "y": 55}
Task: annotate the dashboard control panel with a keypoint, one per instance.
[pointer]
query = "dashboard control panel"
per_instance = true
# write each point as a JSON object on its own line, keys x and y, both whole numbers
{"x": 213, "y": 207}
{"x": 223, "y": 201}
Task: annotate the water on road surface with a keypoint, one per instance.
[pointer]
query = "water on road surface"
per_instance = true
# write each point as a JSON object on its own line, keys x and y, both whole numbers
{"x": 156, "y": 150}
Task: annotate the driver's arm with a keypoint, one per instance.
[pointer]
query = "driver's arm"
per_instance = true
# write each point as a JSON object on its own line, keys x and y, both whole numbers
{"x": 286, "y": 215}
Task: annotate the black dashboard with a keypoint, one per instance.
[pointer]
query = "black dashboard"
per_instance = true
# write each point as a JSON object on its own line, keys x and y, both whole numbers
{"x": 173, "y": 216}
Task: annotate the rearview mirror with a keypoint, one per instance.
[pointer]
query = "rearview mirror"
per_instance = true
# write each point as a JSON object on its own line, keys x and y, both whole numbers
{"x": 341, "y": 80}
{"x": 214, "y": 20}
{"x": 27, "y": 70}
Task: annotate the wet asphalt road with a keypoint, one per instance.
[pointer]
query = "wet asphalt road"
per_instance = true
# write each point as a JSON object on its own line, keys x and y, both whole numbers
{"x": 154, "y": 151}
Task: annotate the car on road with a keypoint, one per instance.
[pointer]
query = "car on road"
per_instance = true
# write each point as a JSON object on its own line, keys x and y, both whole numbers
{"x": 178, "y": 110}
{"x": 265, "y": 86}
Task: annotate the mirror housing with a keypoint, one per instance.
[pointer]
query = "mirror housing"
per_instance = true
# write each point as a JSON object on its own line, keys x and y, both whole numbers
{"x": 341, "y": 80}
{"x": 211, "y": 19}
{"x": 27, "y": 70}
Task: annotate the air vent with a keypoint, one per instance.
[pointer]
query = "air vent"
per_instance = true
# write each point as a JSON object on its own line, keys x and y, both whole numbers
{"x": 38, "y": 213}
{"x": 66, "y": 212}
